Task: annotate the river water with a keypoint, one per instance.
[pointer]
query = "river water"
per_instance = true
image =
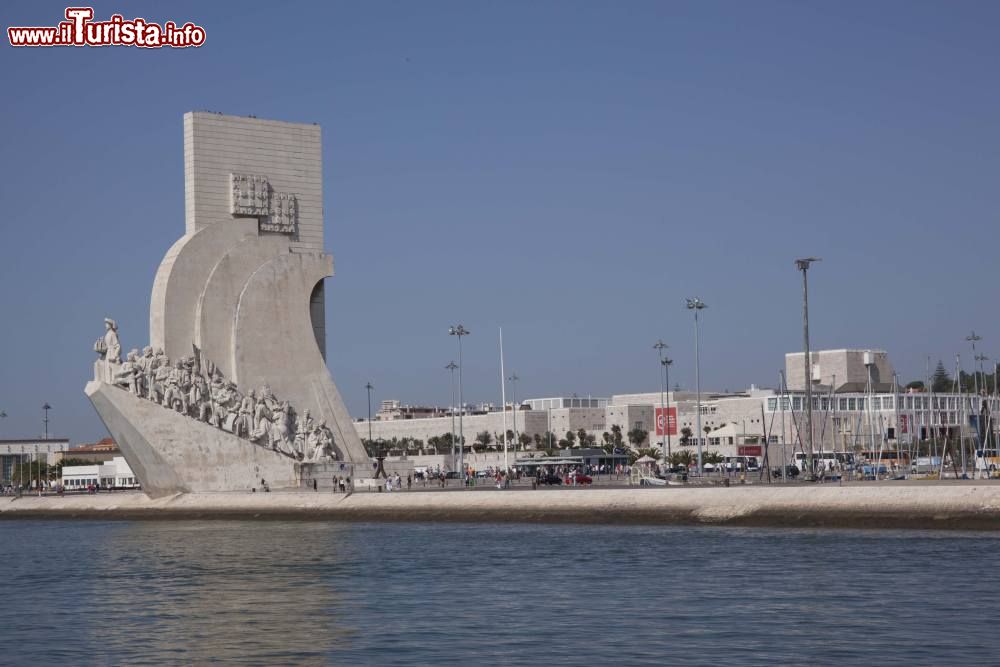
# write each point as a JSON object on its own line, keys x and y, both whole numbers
{"x": 265, "y": 592}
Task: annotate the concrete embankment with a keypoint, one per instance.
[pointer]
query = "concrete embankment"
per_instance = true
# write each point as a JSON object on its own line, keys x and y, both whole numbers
{"x": 968, "y": 507}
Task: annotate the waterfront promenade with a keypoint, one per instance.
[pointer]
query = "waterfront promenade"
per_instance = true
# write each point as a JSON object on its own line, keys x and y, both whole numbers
{"x": 936, "y": 505}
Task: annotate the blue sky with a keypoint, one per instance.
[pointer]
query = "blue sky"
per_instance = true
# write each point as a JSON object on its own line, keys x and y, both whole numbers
{"x": 568, "y": 170}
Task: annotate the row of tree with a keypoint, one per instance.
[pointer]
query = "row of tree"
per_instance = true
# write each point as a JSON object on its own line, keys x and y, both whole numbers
{"x": 943, "y": 382}
{"x": 28, "y": 471}
{"x": 486, "y": 441}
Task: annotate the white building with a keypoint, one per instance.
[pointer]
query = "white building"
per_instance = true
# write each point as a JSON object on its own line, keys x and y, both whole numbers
{"x": 856, "y": 407}
{"x": 116, "y": 473}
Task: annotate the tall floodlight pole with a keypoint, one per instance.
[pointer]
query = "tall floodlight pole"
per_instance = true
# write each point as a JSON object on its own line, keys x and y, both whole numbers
{"x": 503, "y": 401}
{"x": 3, "y": 415}
{"x": 666, "y": 415}
{"x": 983, "y": 387}
{"x": 513, "y": 399}
{"x": 659, "y": 347}
{"x": 451, "y": 367}
{"x": 369, "y": 387}
{"x": 45, "y": 419}
{"x": 459, "y": 330}
{"x": 803, "y": 266}
{"x": 696, "y": 305}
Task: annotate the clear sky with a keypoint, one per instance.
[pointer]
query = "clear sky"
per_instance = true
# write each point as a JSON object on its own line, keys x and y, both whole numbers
{"x": 568, "y": 170}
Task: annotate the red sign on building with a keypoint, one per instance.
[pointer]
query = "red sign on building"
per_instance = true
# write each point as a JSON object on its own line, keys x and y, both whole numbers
{"x": 749, "y": 450}
{"x": 671, "y": 421}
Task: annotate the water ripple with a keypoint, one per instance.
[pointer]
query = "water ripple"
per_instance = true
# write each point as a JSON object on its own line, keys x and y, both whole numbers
{"x": 265, "y": 593}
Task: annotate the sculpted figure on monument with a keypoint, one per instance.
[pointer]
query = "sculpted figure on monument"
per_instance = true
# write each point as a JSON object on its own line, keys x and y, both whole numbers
{"x": 199, "y": 398}
{"x": 173, "y": 397}
{"x": 322, "y": 443}
{"x": 219, "y": 397}
{"x": 158, "y": 389}
{"x": 184, "y": 384}
{"x": 263, "y": 408}
{"x": 145, "y": 371}
{"x": 281, "y": 429}
{"x": 303, "y": 428}
{"x": 128, "y": 373}
{"x": 233, "y": 405}
{"x": 109, "y": 351}
{"x": 243, "y": 426}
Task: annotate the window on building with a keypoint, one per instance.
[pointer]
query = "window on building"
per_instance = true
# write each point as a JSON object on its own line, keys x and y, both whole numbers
{"x": 876, "y": 403}
{"x": 887, "y": 402}
{"x": 796, "y": 403}
{"x": 772, "y": 404}
{"x": 843, "y": 404}
{"x": 852, "y": 404}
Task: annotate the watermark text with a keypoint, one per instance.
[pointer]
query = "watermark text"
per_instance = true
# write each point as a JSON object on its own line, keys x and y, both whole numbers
{"x": 79, "y": 29}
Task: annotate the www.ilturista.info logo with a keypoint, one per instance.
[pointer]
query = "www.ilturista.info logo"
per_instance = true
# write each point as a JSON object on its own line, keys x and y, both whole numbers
{"x": 80, "y": 30}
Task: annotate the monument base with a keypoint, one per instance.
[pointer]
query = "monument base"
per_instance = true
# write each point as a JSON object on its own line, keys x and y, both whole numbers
{"x": 172, "y": 453}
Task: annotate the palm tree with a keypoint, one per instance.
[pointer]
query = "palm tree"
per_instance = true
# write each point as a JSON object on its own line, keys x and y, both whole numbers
{"x": 483, "y": 438}
{"x": 524, "y": 439}
{"x": 686, "y": 434}
{"x": 616, "y": 435}
{"x": 636, "y": 437}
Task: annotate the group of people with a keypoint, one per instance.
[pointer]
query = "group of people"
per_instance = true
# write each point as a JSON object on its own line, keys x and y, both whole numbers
{"x": 340, "y": 484}
{"x": 395, "y": 482}
{"x": 201, "y": 392}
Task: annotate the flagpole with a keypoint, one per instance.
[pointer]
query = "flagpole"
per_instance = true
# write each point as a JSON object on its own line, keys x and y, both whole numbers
{"x": 503, "y": 403}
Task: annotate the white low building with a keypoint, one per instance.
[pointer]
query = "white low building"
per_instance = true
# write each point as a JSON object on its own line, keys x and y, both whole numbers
{"x": 115, "y": 473}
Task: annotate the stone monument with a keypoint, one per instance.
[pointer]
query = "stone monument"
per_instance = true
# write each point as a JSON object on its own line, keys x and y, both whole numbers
{"x": 238, "y": 306}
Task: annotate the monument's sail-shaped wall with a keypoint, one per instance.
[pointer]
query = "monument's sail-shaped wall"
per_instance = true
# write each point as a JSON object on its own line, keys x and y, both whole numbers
{"x": 244, "y": 285}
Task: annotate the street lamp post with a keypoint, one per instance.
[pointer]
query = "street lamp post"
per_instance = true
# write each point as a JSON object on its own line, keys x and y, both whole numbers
{"x": 459, "y": 330}
{"x": 696, "y": 305}
{"x": 451, "y": 367}
{"x": 38, "y": 461}
{"x": 513, "y": 397}
{"x": 973, "y": 338}
{"x": 659, "y": 347}
{"x": 803, "y": 266}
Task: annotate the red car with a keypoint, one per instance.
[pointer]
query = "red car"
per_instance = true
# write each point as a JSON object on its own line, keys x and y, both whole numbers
{"x": 579, "y": 478}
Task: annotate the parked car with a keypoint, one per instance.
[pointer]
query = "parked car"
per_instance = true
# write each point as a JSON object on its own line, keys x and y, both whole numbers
{"x": 868, "y": 471}
{"x": 551, "y": 480}
{"x": 790, "y": 471}
{"x": 451, "y": 474}
{"x": 579, "y": 478}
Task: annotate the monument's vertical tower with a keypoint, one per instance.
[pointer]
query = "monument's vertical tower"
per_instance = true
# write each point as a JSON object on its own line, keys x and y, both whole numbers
{"x": 244, "y": 285}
